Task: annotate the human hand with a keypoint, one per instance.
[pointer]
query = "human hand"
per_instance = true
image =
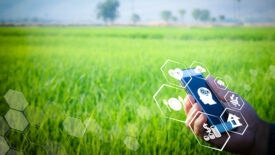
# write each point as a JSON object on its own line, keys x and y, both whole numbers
{"x": 253, "y": 141}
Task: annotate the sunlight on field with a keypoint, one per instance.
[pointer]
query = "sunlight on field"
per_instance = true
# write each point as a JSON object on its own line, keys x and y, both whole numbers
{"x": 107, "y": 76}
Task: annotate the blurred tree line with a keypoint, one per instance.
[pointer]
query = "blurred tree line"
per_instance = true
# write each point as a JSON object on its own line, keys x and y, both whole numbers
{"x": 108, "y": 12}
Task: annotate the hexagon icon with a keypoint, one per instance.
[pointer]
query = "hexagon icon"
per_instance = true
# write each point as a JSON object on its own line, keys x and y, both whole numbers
{"x": 221, "y": 83}
{"x": 200, "y": 68}
{"x": 234, "y": 100}
{"x": 16, "y": 100}
{"x": 170, "y": 100}
{"x": 4, "y": 147}
{"x": 131, "y": 143}
{"x": 74, "y": 127}
{"x": 16, "y": 120}
{"x": 172, "y": 71}
{"x": 92, "y": 126}
{"x": 211, "y": 132}
{"x": 236, "y": 119}
{"x": 4, "y": 127}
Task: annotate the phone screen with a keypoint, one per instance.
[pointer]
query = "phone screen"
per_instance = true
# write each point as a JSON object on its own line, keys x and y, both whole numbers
{"x": 203, "y": 94}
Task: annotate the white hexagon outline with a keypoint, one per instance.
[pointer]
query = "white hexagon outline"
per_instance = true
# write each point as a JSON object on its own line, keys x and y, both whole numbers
{"x": 154, "y": 96}
{"x": 242, "y": 117}
{"x": 6, "y": 144}
{"x": 178, "y": 85}
{"x": 9, "y": 103}
{"x": 24, "y": 117}
{"x": 225, "y": 87}
{"x": 85, "y": 128}
{"x": 241, "y": 99}
{"x": 203, "y": 65}
{"x": 197, "y": 137}
{"x": 128, "y": 143}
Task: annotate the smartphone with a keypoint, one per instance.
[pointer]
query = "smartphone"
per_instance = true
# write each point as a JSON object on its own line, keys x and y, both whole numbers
{"x": 196, "y": 85}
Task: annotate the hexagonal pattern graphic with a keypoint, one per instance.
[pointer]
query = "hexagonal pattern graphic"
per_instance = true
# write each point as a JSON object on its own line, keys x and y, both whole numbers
{"x": 74, "y": 127}
{"x": 14, "y": 152}
{"x": 34, "y": 115}
{"x": 16, "y": 120}
{"x": 131, "y": 143}
{"x": 172, "y": 71}
{"x": 200, "y": 68}
{"x": 4, "y": 127}
{"x": 211, "y": 132}
{"x": 221, "y": 83}
{"x": 170, "y": 101}
{"x": 234, "y": 100}
{"x": 92, "y": 126}
{"x": 55, "y": 148}
{"x": 16, "y": 100}
{"x": 4, "y": 147}
{"x": 236, "y": 119}
{"x": 17, "y": 140}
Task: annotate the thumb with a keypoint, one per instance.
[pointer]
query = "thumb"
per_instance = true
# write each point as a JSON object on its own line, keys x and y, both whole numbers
{"x": 220, "y": 91}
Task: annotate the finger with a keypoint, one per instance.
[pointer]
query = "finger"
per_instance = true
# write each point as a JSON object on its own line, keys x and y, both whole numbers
{"x": 193, "y": 113}
{"x": 188, "y": 103}
{"x": 220, "y": 93}
{"x": 198, "y": 129}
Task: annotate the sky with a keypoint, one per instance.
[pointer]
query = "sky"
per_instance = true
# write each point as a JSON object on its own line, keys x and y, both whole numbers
{"x": 149, "y": 10}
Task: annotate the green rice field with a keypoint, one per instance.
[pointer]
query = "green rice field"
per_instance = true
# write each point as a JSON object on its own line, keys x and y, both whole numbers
{"x": 106, "y": 77}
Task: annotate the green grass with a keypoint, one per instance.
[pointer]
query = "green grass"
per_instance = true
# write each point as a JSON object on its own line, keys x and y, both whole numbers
{"x": 107, "y": 74}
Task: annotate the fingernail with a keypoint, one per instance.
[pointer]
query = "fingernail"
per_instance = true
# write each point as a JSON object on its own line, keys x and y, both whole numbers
{"x": 185, "y": 99}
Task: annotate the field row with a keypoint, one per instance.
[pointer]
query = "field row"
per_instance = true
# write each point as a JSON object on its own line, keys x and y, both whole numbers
{"x": 192, "y": 33}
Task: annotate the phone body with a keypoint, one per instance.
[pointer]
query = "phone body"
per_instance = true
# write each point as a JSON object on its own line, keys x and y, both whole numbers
{"x": 196, "y": 85}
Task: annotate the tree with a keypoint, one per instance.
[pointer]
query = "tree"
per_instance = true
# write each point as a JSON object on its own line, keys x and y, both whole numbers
{"x": 202, "y": 15}
{"x": 166, "y": 15}
{"x": 174, "y": 18}
{"x": 135, "y": 18}
{"x": 182, "y": 12}
{"x": 196, "y": 14}
{"x": 108, "y": 10}
{"x": 221, "y": 17}
{"x": 213, "y": 19}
